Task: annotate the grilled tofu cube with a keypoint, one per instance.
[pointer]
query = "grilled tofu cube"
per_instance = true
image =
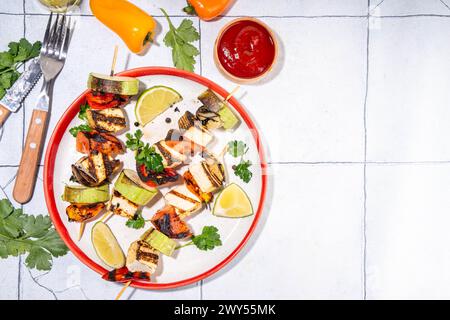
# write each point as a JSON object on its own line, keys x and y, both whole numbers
{"x": 141, "y": 257}
{"x": 198, "y": 135}
{"x": 107, "y": 120}
{"x": 122, "y": 206}
{"x": 204, "y": 178}
{"x": 171, "y": 157}
{"x": 183, "y": 200}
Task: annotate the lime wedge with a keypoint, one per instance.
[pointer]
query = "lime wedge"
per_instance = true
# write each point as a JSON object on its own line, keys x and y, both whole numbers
{"x": 233, "y": 202}
{"x": 154, "y": 101}
{"x": 106, "y": 246}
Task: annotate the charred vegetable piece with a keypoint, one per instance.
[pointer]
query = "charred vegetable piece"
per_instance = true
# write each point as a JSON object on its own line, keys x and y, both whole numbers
{"x": 131, "y": 187}
{"x": 192, "y": 185}
{"x": 100, "y": 100}
{"x": 78, "y": 194}
{"x": 82, "y": 212}
{"x": 211, "y": 101}
{"x": 160, "y": 242}
{"x": 154, "y": 179}
{"x": 122, "y": 206}
{"x": 186, "y": 121}
{"x": 141, "y": 257}
{"x": 110, "y": 120}
{"x": 94, "y": 169}
{"x": 98, "y": 141}
{"x": 209, "y": 119}
{"x": 125, "y": 275}
{"x": 168, "y": 222}
{"x": 113, "y": 84}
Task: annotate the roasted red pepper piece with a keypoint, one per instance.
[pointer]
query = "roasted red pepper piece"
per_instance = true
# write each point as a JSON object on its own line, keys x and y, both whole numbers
{"x": 154, "y": 179}
{"x": 168, "y": 222}
{"x": 124, "y": 275}
{"x": 100, "y": 100}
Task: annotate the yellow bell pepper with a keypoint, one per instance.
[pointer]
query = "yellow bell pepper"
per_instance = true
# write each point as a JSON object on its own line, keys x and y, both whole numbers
{"x": 133, "y": 25}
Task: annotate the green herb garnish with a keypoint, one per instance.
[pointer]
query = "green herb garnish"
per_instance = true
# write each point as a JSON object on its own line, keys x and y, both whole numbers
{"x": 134, "y": 142}
{"x": 137, "y": 223}
{"x": 207, "y": 240}
{"x": 179, "y": 39}
{"x": 82, "y": 127}
{"x": 13, "y": 59}
{"x": 237, "y": 148}
{"x": 145, "y": 154}
{"x": 242, "y": 170}
{"x": 21, "y": 233}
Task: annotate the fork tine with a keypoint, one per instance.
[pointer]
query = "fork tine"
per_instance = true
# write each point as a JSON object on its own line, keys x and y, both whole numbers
{"x": 67, "y": 35}
{"x": 47, "y": 34}
{"x": 59, "y": 37}
{"x": 53, "y": 34}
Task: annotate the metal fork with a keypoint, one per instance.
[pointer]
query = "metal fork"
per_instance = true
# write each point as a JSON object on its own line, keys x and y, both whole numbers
{"x": 53, "y": 55}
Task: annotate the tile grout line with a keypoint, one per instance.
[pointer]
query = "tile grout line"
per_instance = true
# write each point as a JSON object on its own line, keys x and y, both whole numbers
{"x": 364, "y": 222}
{"x": 19, "y": 273}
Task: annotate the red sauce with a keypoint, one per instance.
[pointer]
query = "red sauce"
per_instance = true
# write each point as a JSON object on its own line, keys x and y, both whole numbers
{"x": 246, "y": 49}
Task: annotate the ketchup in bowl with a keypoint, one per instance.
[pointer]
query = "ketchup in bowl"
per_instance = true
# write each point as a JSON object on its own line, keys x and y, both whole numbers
{"x": 246, "y": 49}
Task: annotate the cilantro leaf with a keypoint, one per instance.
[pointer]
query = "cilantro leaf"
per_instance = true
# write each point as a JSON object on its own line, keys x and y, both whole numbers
{"x": 136, "y": 223}
{"x": 82, "y": 114}
{"x": 82, "y": 127}
{"x": 134, "y": 142}
{"x": 21, "y": 233}
{"x": 179, "y": 39}
{"x": 237, "y": 148}
{"x": 10, "y": 61}
{"x": 152, "y": 160}
{"x": 207, "y": 240}
{"x": 242, "y": 170}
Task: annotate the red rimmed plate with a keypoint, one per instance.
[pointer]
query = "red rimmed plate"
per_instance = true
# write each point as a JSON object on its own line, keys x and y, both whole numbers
{"x": 189, "y": 265}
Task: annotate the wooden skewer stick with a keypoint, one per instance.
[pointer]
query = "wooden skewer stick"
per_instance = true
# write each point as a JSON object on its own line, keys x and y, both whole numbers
{"x": 232, "y": 93}
{"x": 106, "y": 216}
{"x": 113, "y": 65}
{"x": 82, "y": 226}
{"x": 123, "y": 290}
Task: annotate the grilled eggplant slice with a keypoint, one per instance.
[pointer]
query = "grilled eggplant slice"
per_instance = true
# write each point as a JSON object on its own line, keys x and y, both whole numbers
{"x": 82, "y": 212}
{"x": 209, "y": 119}
{"x": 94, "y": 169}
{"x": 141, "y": 257}
{"x": 100, "y": 142}
{"x": 122, "y": 206}
{"x": 211, "y": 101}
{"x": 168, "y": 222}
{"x": 110, "y": 120}
{"x": 186, "y": 121}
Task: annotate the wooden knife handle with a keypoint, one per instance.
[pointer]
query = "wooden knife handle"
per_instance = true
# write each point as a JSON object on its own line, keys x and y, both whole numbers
{"x": 4, "y": 114}
{"x": 31, "y": 156}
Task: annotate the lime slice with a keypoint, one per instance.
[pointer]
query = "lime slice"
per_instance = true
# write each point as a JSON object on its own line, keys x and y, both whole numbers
{"x": 106, "y": 246}
{"x": 232, "y": 202}
{"x": 154, "y": 101}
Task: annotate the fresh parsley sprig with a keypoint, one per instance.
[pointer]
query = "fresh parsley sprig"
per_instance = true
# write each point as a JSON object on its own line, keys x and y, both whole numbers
{"x": 21, "y": 233}
{"x": 207, "y": 240}
{"x": 137, "y": 223}
{"x": 82, "y": 127}
{"x": 179, "y": 39}
{"x": 145, "y": 154}
{"x": 242, "y": 169}
{"x": 13, "y": 59}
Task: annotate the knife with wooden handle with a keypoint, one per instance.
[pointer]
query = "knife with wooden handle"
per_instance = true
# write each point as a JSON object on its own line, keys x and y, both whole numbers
{"x": 14, "y": 96}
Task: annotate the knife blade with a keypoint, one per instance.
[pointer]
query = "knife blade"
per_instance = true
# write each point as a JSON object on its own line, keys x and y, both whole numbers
{"x": 14, "y": 96}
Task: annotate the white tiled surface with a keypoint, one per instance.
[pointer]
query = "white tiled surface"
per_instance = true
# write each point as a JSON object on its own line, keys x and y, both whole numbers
{"x": 361, "y": 147}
